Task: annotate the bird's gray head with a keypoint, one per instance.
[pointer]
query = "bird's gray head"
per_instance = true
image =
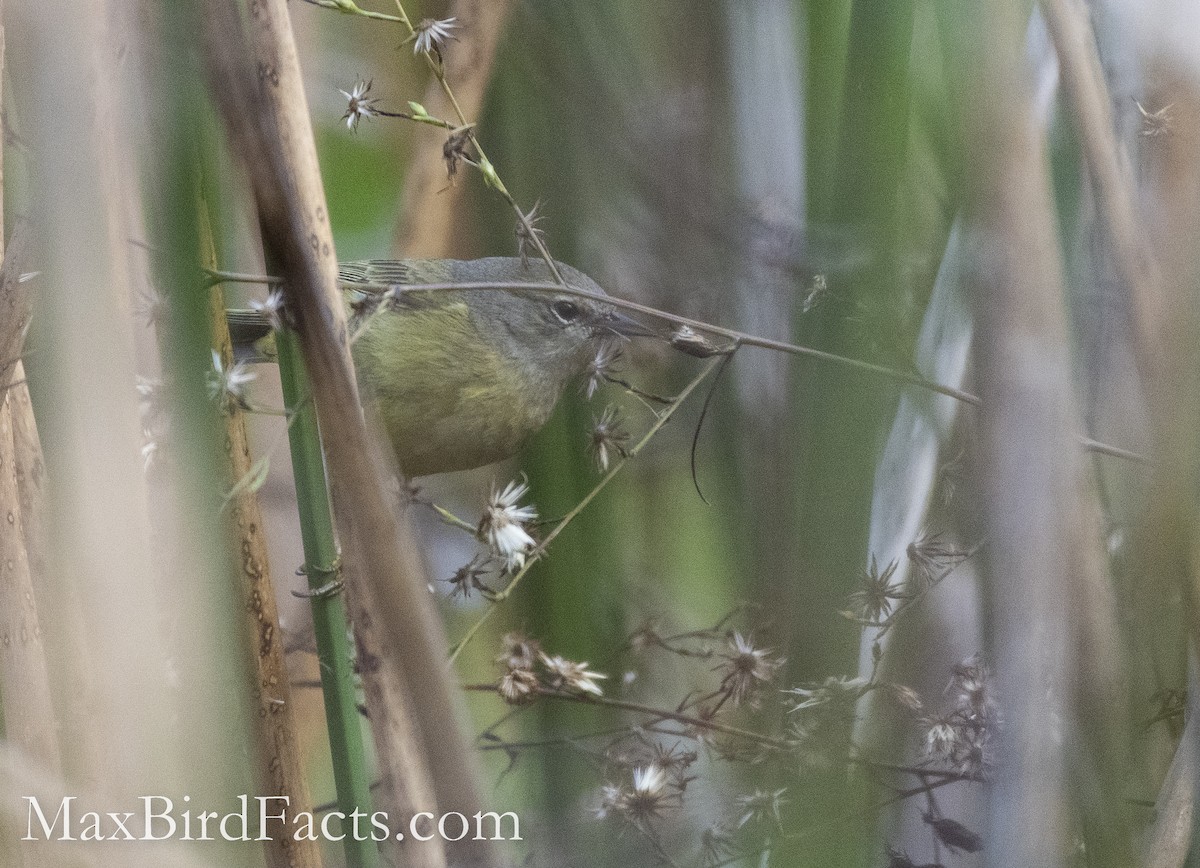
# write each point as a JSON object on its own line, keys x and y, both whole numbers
{"x": 555, "y": 336}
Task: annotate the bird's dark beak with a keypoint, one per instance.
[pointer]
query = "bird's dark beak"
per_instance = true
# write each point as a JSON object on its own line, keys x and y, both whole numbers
{"x": 616, "y": 323}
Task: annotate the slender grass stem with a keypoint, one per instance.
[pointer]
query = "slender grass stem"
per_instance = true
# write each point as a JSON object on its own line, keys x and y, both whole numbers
{"x": 734, "y": 336}
{"x": 661, "y": 713}
{"x": 351, "y": 776}
{"x": 662, "y": 419}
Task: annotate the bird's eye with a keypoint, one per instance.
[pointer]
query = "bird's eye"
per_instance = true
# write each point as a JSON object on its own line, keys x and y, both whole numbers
{"x": 566, "y": 311}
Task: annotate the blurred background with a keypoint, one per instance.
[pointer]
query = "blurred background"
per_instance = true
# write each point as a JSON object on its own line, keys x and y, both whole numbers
{"x": 946, "y": 621}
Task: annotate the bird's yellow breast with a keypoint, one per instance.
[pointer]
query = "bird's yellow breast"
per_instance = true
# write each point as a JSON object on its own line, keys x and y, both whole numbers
{"x": 447, "y": 400}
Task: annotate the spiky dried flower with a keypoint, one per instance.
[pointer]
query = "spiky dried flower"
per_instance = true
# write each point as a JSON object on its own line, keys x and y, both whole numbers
{"x": 903, "y": 695}
{"x": 519, "y": 651}
{"x": 746, "y": 669}
{"x": 964, "y": 735}
{"x": 273, "y": 309}
{"x": 469, "y": 577}
{"x": 673, "y": 759}
{"x": 358, "y": 104}
{"x": 149, "y": 450}
{"x": 503, "y": 525}
{"x": 872, "y": 602}
{"x": 604, "y": 363}
{"x": 971, "y": 682}
{"x": 647, "y": 797}
{"x": 716, "y": 846}
{"x": 151, "y": 307}
{"x": 607, "y": 437}
{"x": 527, "y": 232}
{"x": 610, "y": 800}
{"x": 567, "y": 675}
{"x": 227, "y": 384}
{"x": 517, "y": 686}
{"x": 949, "y": 478}
{"x": 931, "y": 557}
{"x": 151, "y": 400}
{"x": 941, "y": 736}
{"x": 837, "y": 691}
{"x": 818, "y": 289}
{"x": 1156, "y": 123}
{"x": 432, "y": 35}
{"x": 641, "y": 801}
{"x": 761, "y": 806}
{"x": 455, "y": 149}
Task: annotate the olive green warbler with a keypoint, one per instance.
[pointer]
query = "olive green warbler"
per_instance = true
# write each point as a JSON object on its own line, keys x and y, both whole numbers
{"x": 461, "y": 379}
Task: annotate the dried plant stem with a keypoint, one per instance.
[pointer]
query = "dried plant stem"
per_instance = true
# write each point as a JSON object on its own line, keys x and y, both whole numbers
{"x": 661, "y": 713}
{"x": 1048, "y": 614}
{"x": 662, "y": 419}
{"x": 30, "y": 723}
{"x": 1170, "y": 837}
{"x": 269, "y": 124}
{"x": 29, "y": 719}
{"x": 484, "y": 165}
{"x": 428, "y": 212}
{"x": 279, "y": 767}
{"x": 1168, "y": 544}
{"x": 1069, "y": 24}
{"x": 733, "y": 335}
{"x": 491, "y": 22}
{"x": 122, "y": 725}
{"x": 910, "y": 602}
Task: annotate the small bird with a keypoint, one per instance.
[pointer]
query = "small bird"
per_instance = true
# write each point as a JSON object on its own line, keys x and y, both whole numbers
{"x": 461, "y": 379}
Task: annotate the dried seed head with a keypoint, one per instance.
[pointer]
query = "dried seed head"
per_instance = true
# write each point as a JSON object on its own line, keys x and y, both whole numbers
{"x": 272, "y": 310}
{"x": 566, "y": 675}
{"x": 503, "y": 525}
{"x": 607, "y": 438}
{"x": 520, "y": 652}
{"x": 872, "y": 602}
{"x": 358, "y": 104}
{"x": 1155, "y": 123}
{"x": 517, "y": 686}
{"x": 432, "y": 35}
{"x": 469, "y": 577}
{"x": 746, "y": 669}
{"x": 837, "y": 691}
{"x": 228, "y": 384}
{"x": 528, "y": 234}
{"x": 151, "y": 307}
{"x": 818, "y": 289}
{"x": 455, "y": 148}
{"x": 608, "y": 355}
{"x": 931, "y": 557}
{"x": 761, "y": 806}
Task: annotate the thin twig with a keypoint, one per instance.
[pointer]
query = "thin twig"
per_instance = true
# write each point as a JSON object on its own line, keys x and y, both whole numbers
{"x": 662, "y": 419}
{"x": 662, "y": 713}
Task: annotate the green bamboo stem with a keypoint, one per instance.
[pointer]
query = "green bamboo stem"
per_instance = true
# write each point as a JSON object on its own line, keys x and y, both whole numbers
{"x": 350, "y": 774}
